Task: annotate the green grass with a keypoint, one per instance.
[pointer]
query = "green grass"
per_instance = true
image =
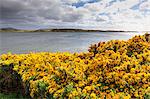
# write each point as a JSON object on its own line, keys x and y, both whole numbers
{"x": 11, "y": 96}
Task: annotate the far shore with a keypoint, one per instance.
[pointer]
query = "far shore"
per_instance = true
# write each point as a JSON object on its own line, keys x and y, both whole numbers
{"x": 58, "y": 30}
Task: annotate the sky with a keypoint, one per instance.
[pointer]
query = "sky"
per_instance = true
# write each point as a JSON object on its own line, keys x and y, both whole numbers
{"x": 84, "y": 14}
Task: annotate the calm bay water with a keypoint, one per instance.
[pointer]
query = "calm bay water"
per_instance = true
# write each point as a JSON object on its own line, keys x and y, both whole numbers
{"x": 56, "y": 41}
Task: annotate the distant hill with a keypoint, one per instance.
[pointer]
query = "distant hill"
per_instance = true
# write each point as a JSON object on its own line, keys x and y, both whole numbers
{"x": 55, "y": 30}
{"x": 8, "y": 29}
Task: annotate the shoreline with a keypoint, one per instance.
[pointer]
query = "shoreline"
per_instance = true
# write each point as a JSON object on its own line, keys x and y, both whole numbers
{"x": 59, "y": 30}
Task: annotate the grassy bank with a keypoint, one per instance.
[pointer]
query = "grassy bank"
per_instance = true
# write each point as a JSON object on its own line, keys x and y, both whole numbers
{"x": 11, "y": 96}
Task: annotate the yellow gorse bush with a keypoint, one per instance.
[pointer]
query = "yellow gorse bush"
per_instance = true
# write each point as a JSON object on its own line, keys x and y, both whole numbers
{"x": 113, "y": 70}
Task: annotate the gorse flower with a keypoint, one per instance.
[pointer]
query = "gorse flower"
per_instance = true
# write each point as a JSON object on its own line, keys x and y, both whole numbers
{"x": 112, "y": 70}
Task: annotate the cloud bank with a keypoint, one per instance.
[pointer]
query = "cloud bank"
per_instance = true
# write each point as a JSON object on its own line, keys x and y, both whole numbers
{"x": 87, "y": 14}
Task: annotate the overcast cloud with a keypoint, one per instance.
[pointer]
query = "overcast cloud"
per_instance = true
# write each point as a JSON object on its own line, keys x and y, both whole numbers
{"x": 89, "y": 14}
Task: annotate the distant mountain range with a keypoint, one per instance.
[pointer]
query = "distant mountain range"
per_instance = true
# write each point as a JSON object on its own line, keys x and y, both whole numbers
{"x": 56, "y": 30}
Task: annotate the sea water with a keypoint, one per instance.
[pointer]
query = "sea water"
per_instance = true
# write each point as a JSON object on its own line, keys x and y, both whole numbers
{"x": 56, "y": 41}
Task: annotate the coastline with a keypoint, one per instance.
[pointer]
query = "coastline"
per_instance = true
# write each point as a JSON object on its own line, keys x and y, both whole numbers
{"x": 58, "y": 30}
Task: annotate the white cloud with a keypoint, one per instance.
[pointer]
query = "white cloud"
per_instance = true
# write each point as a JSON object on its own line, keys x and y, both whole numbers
{"x": 70, "y": 1}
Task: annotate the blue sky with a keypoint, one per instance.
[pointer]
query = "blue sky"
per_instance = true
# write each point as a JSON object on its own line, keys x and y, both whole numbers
{"x": 86, "y": 14}
{"x": 81, "y": 3}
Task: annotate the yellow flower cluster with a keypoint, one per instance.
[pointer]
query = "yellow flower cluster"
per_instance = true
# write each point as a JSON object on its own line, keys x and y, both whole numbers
{"x": 112, "y": 70}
